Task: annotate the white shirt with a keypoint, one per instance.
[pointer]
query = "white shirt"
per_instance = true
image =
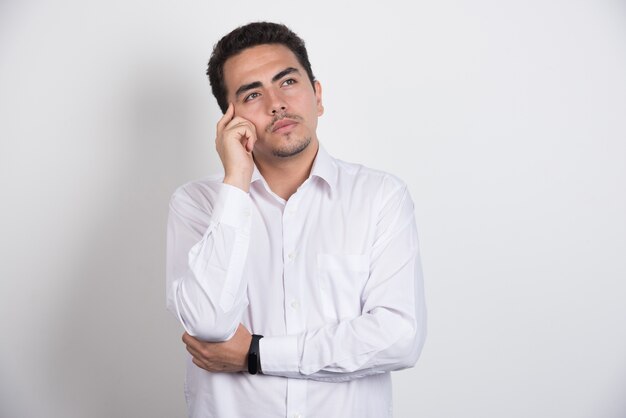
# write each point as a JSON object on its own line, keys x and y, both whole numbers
{"x": 331, "y": 278}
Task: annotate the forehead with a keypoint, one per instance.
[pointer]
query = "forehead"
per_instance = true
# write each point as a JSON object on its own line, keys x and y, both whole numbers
{"x": 258, "y": 63}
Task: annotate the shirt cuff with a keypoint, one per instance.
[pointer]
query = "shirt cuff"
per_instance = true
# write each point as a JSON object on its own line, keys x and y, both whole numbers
{"x": 279, "y": 354}
{"x": 232, "y": 207}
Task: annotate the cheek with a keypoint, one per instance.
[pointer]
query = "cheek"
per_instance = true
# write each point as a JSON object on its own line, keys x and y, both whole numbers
{"x": 298, "y": 103}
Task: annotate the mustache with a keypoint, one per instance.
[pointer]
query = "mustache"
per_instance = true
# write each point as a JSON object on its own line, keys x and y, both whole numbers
{"x": 282, "y": 116}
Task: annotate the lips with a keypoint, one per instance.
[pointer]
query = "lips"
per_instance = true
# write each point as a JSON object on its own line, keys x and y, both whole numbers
{"x": 283, "y": 125}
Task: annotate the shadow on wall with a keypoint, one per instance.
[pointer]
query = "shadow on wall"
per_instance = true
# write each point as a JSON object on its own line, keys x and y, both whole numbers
{"x": 118, "y": 351}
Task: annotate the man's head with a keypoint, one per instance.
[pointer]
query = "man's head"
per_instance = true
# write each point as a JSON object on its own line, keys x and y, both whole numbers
{"x": 256, "y": 69}
{"x": 250, "y": 35}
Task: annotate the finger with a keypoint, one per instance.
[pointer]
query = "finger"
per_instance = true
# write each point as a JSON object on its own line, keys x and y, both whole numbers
{"x": 238, "y": 121}
{"x": 192, "y": 350}
{"x": 192, "y": 342}
{"x": 187, "y": 339}
{"x": 209, "y": 367}
{"x": 239, "y": 126}
{"x": 251, "y": 140}
{"x": 198, "y": 363}
{"x": 246, "y": 131}
{"x": 194, "y": 353}
{"x": 246, "y": 134}
{"x": 226, "y": 118}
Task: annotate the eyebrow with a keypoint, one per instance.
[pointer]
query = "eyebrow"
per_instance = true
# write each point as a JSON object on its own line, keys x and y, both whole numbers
{"x": 284, "y": 72}
{"x": 257, "y": 84}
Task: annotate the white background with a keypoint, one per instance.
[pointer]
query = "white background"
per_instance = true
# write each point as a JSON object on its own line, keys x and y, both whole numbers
{"x": 507, "y": 120}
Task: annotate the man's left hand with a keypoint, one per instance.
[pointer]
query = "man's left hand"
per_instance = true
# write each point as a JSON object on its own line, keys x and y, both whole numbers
{"x": 226, "y": 356}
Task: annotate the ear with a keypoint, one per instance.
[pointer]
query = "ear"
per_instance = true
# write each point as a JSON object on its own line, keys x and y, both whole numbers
{"x": 318, "y": 98}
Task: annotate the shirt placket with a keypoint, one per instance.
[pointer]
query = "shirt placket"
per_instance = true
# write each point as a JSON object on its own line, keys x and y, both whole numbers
{"x": 293, "y": 263}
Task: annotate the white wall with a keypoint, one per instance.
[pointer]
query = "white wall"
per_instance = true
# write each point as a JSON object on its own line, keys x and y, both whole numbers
{"x": 507, "y": 119}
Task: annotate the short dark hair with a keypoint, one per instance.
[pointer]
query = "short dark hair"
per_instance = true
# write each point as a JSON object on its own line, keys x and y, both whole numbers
{"x": 252, "y": 34}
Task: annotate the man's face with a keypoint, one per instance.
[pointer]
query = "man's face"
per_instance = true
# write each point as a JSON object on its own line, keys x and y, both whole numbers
{"x": 270, "y": 88}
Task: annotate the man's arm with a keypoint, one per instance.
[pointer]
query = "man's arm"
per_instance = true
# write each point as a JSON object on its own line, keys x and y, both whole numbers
{"x": 389, "y": 333}
{"x": 206, "y": 252}
{"x": 205, "y": 284}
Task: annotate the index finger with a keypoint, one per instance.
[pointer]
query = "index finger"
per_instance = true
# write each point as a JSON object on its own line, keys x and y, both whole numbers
{"x": 228, "y": 116}
{"x": 188, "y": 339}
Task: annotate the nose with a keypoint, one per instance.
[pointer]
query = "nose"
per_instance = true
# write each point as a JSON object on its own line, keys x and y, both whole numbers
{"x": 282, "y": 109}
{"x": 276, "y": 103}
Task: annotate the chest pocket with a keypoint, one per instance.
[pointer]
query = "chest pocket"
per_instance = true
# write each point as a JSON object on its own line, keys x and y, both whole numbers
{"x": 341, "y": 279}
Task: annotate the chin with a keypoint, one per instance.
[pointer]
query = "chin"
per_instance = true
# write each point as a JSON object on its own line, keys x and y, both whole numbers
{"x": 292, "y": 148}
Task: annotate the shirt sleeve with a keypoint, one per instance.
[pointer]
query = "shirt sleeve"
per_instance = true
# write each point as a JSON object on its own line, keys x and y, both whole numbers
{"x": 389, "y": 333}
{"x": 206, "y": 253}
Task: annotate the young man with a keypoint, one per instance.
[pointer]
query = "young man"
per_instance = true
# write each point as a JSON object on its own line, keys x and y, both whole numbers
{"x": 318, "y": 258}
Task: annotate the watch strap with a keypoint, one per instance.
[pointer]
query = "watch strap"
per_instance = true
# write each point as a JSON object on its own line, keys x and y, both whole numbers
{"x": 254, "y": 356}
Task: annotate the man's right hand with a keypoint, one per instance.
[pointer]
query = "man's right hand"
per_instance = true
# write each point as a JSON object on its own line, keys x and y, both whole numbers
{"x": 234, "y": 143}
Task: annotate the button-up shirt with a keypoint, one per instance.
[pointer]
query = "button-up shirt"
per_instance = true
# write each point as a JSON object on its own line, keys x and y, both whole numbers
{"x": 330, "y": 277}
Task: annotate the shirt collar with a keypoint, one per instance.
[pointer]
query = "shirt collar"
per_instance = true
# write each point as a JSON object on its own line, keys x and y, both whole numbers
{"x": 256, "y": 175}
{"x": 323, "y": 167}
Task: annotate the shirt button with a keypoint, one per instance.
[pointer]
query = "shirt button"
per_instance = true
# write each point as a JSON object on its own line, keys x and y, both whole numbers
{"x": 292, "y": 255}
{"x": 297, "y": 415}
{"x": 295, "y": 304}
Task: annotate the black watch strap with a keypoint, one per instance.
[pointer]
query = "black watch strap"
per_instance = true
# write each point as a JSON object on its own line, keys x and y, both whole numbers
{"x": 254, "y": 357}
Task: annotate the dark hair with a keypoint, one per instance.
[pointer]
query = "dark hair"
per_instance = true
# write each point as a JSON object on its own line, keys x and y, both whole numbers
{"x": 252, "y": 34}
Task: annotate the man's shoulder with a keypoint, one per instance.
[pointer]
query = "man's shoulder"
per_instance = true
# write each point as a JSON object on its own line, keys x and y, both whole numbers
{"x": 365, "y": 187}
{"x": 360, "y": 175}
{"x": 199, "y": 192}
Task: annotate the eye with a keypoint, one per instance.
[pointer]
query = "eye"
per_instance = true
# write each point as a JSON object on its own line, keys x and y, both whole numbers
{"x": 289, "y": 82}
{"x": 251, "y": 96}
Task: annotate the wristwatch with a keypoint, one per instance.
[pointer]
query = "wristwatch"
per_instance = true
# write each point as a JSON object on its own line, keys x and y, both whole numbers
{"x": 254, "y": 357}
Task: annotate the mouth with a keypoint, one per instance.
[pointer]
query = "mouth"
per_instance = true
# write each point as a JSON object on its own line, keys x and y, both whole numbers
{"x": 284, "y": 125}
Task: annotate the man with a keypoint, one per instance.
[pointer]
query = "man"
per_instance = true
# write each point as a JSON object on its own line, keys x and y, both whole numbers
{"x": 318, "y": 258}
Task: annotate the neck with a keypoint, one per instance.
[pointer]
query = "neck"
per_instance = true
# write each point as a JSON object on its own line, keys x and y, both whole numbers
{"x": 285, "y": 175}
